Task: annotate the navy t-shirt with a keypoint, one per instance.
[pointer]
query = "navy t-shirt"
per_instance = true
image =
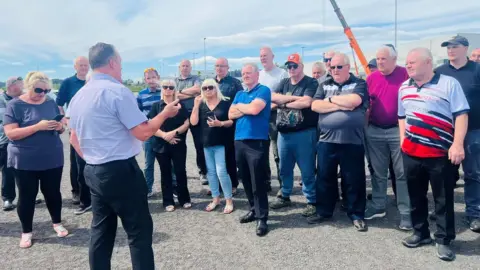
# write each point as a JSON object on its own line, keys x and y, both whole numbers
{"x": 40, "y": 151}
{"x": 213, "y": 136}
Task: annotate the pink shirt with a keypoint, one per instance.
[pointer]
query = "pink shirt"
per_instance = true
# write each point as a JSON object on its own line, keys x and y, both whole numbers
{"x": 383, "y": 92}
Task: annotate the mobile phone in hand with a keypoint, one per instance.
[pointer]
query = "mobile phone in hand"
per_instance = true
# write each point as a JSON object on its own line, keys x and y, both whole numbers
{"x": 59, "y": 117}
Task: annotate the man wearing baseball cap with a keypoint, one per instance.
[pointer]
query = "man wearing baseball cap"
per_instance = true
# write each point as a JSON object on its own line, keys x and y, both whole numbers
{"x": 467, "y": 72}
{"x": 372, "y": 65}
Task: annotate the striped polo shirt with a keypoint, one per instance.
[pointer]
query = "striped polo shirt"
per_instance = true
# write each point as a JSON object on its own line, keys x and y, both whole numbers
{"x": 430, "y": 111}
{"x": 146, "y": 98}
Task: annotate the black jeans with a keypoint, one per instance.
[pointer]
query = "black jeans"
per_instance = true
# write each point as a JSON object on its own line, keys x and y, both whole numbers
{"x": 251, "y": 158}
{"x": 351, "y": 159}
{"x": 8, "y": 177}
{"x": 272, "y": 143}
{"x": 178, "y": 155}
{"x": 27, "y": 182}
{"x": 198, "y": 142}
{"x": 231, "y": 161}
{"x": 119, "y": 189}
{"x": 84, "y": 190}
{"x": 74, "y": 171}
{"x": 440, "y": 171}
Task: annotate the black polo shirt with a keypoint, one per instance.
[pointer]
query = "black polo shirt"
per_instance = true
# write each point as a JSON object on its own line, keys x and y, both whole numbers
{"x": 229, "y": 86}
{"x": 68, "y": 89}
{"x": 469, "y": 78}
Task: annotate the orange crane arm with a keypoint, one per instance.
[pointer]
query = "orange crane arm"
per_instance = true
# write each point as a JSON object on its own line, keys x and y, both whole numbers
{"x": 351, "y": 37}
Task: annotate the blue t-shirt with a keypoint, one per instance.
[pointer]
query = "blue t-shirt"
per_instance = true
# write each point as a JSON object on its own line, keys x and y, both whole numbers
{"x": 253, "y": 127}
{"x": 43, "y": 150}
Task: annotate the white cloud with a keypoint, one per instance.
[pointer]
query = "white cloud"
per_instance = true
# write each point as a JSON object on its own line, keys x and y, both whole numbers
{"x": 3, "y": 61}
{"x": 49, "y": 71}
{"x": 66, "y": 65}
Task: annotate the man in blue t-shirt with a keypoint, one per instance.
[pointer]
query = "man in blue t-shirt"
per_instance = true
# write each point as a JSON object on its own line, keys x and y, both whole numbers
{"x": 251, "y": 110}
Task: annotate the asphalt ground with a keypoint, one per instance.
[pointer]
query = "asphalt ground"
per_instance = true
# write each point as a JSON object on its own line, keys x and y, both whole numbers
{"x": 195, "y": 239}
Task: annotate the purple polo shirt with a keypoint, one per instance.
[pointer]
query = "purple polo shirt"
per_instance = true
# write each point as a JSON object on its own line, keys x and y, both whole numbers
{"x": 383, "y": 92}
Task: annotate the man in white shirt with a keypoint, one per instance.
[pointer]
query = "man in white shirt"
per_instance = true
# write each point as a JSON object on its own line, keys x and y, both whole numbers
{"x": 270, "y": 76}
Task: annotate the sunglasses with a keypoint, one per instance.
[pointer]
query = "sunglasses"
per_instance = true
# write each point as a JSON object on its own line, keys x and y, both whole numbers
{"x": 290, "y": 66}
{"x": 210, "y": 87}
{"x": 18, "y": 79}
{"x": 40, "y": 90}
{"x": 336, "y": 67}
{"x": 327, "y": 60}
{"x": 168, "y": 87}
{"x": 149, "y": 69}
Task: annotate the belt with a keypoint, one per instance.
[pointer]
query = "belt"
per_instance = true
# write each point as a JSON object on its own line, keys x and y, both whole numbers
{"x": 384, "y": 126}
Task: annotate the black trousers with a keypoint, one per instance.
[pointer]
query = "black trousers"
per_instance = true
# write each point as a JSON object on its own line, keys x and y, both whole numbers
{"x": 230, "y": 159}
{"x": 8, "y": 177}
{"x": 27, "y": 182}
{"x": 119, "y": 189}
{"x": 440, "y": 171}
{"x": 251, "y": 158}
{"x": 84, "y": 190}
{"x": 74, "y": 171}
{"x": 272, "y": 143}
{"x": 176, "y": 154}
{"x": 198, "y": 142}
{"x": 351, "y": 159}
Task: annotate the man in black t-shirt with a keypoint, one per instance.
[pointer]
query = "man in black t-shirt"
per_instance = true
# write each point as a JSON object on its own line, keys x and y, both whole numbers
{"x": 297, "y": 134}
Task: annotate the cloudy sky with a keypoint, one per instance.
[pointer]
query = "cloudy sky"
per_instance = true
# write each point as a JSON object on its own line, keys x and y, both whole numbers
{"x": 48, "y": 34}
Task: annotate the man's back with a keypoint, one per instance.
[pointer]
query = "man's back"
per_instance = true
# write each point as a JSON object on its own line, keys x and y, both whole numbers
{"x": 102, "y": 117}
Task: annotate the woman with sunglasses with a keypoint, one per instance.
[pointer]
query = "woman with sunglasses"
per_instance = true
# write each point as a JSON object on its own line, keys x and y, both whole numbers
{"x": 35, "y": 152}
{"x": 170, "y": 146}
{"x": 211, "y": 113}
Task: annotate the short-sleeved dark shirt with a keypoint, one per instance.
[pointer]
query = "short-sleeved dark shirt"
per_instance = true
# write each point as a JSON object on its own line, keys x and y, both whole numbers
{"x": 159, "y": 144}
{"x": 188, "y": 82}
{"x": 213, "y": 136}
{"x": 43, "y": 150}
{"x": 68, "y": 89}
{"x": 307, "y": 86}
{"x": 229, "y": 86}
{"x": 343, "y": 127}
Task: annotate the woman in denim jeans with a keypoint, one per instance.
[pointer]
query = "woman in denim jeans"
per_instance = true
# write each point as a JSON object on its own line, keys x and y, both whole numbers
{"x": 211, "y": 113}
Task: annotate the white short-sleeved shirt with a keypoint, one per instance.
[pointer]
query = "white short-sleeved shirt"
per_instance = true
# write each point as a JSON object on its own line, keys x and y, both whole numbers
{"x": 272, "y": 78}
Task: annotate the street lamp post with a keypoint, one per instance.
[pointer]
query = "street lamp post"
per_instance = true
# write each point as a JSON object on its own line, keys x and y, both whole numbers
{"x": 205, "y": 56}
{"x": 193, "y": 64}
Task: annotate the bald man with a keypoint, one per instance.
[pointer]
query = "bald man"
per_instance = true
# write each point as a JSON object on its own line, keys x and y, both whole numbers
{"x": 475, "y": 57}
{"x": 68, "y": 89}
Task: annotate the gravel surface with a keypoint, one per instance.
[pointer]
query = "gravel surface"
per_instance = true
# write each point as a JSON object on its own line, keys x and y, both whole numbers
{"x": 195, "y": 239}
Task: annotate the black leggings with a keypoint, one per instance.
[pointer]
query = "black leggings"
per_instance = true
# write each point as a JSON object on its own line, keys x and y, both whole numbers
{"x": 27, "y": 183}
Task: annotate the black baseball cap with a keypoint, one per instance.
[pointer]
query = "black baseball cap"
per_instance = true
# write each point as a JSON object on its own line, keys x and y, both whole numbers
{"x": 456, "y": 40}
{"x": 372, "y": 63}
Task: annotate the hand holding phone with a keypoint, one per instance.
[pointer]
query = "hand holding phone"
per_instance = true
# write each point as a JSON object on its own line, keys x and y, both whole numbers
{"x": 59, "y": 117}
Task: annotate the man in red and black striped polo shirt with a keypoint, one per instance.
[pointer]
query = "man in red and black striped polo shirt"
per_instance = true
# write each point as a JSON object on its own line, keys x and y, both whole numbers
{"x": 433, "y": 121}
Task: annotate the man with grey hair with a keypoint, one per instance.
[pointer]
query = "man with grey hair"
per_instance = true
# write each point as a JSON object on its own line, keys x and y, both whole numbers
{"x": 382, "y": 136}
{"x": 341, "y": 101}
{"x": 475, "y": 56}
{"x": 14, "y": 88}
{"x": 433, "y": 120}
{"x": 319, "y": 72}
{"x": 188, "y": 87}
{"x": 117, "y": 184}
{"x": 327, "y": 59}
{"x": 270, "y": 76}
{"x": 251, "y": 110}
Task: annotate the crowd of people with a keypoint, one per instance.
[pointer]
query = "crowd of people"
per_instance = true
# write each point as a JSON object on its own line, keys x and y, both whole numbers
{"x": 414, "y": 125}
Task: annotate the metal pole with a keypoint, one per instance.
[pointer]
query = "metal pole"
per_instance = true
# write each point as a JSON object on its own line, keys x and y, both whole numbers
{"x": 396, "y": 25}
{"x": 193, "y": 64}
{"x": 205, "y": 56}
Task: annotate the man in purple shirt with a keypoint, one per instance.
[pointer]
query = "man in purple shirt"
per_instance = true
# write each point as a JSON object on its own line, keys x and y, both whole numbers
{"x": 383, "y": 137}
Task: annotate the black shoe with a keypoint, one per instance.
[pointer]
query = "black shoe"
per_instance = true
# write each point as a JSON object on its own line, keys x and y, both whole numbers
{"x": 369, "y": 197}
{"x": 249, "y": 217}
{"x": 82, "y": 210}
{"x": 262, "y": 228}
{"x": 474, "y": 224}
{"x": 414, "y": 241}
{"x": 444, "y": 252}
{"x": 75, "y": 199}
{"x": 360, "y": 225}
{"x": 317, "y": 219}
{"x": 8, "y": 206}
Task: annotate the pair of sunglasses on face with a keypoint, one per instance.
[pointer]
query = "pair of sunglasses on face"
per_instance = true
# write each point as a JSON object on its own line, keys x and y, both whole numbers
{"x": 168, "y": 87}
{"x": 40, "y": 90}
{"x": 290, "y": 66}
{"x": 336, "y": 67}
{"x": 210, "y": 87}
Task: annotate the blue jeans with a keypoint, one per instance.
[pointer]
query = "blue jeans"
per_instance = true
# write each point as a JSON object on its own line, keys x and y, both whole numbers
{"x": 149, "y": 162}
{"x": 471, "y": 168}
{"x": 298, "y": 147}
{"x": 217, "y": 171}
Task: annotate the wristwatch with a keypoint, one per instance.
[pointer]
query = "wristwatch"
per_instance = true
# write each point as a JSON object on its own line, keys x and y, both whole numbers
{"x": 176, "y": 132}
{"x": 330, "y": 99}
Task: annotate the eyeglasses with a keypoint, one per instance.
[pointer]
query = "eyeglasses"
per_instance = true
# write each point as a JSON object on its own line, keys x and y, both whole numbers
{"x": 40, "y": 90}
{"x": 336, "y": 67}
{"x": 210, "y": 87}
{"x": 220, "y": 66}
{"x": 168, "y": 87}
{"x": 327, "y": 60}
{"x": 290, "y": 66}
{"x": 149, "y": 69}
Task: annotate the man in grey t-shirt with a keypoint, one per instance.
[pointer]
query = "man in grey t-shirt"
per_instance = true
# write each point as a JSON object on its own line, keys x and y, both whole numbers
{"x": 341, "y": 101}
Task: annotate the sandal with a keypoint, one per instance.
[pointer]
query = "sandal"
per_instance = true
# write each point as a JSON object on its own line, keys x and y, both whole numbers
{"x": 228, "y": 209}
{"x": 170, "y": 208}
{"x": 187, "y": 205}
{"x": 211, "y": 206}
{"x": 60, "y": 230}
{"x": 26, "y": 240}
